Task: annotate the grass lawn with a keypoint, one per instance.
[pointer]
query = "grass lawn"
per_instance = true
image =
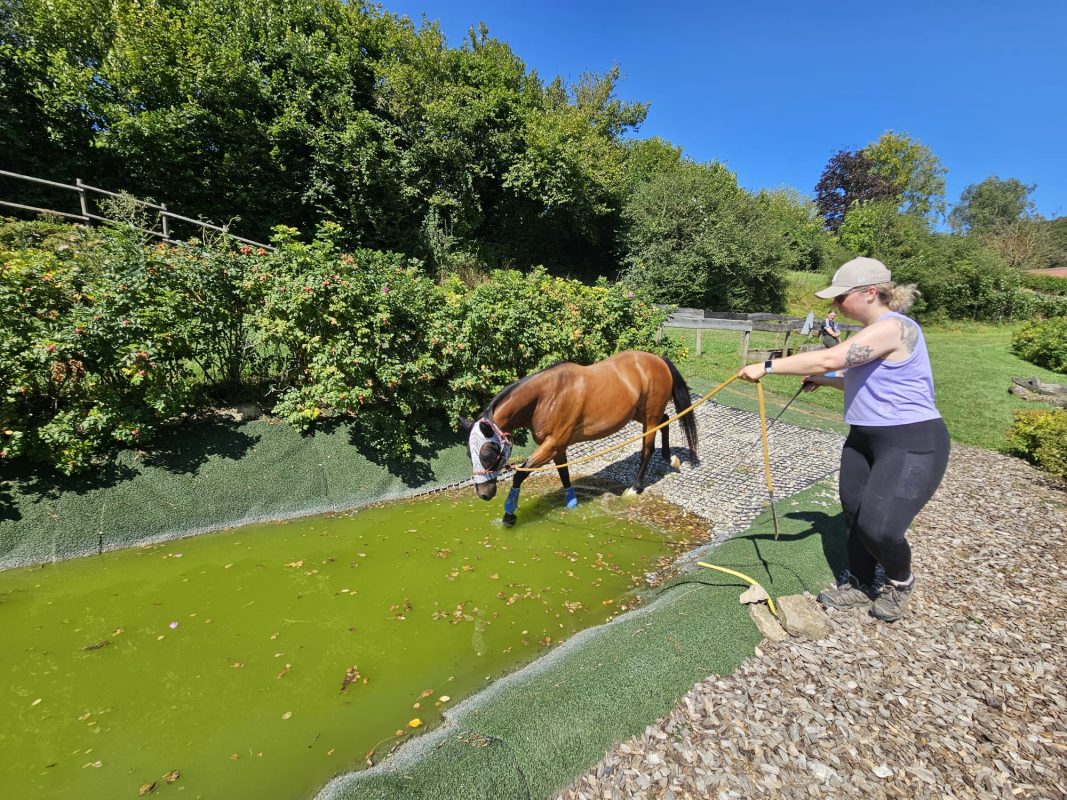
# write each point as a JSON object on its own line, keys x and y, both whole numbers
{"x": 973, "y": 367}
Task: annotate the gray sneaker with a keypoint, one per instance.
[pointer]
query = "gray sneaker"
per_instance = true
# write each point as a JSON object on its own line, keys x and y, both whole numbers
{"x": 892, "y": 602}
{"x": 847, "y": 594}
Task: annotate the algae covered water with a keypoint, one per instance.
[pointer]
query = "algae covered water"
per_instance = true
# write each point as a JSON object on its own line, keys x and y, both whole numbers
{"x": 261, "y": 661}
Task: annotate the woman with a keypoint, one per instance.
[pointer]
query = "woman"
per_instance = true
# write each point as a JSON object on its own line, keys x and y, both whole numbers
{"x": 897, "y": 447}
{"x": 831, "y": 334}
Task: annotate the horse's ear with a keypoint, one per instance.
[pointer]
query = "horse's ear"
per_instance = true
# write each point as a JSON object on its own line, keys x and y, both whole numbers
{"x": 465, "y": 424}
{"x": 486, "y": 429}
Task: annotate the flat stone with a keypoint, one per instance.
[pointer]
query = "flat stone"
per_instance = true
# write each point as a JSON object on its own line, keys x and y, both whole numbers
{"x": 754, "y": 594}
{"x": 801, "y": 616}
{"x": 767, "y": 624}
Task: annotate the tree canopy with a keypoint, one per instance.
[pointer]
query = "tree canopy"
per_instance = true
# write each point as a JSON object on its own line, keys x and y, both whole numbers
{"x": 991, "y": 204}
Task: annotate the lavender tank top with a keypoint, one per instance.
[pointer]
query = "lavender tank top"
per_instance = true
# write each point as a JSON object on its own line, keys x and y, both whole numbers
{"x": 891, "y": 392}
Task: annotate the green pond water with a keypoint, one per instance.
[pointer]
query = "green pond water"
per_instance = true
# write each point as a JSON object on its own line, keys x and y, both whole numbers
{"x": 261, "y": 661}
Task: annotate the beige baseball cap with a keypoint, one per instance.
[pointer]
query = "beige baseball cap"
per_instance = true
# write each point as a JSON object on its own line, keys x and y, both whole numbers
{"x": 860, "y": 271}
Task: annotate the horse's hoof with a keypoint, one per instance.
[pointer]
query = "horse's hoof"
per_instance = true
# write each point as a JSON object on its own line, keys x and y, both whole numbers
{"x": 631, "y": 492}
{"x": 676, "y": 462}
{"x": 509, "y": 520}
{"x": 570, "y": 498}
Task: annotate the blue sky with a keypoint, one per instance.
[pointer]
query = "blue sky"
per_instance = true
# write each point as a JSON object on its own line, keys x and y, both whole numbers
{"x": 773, "y": 89}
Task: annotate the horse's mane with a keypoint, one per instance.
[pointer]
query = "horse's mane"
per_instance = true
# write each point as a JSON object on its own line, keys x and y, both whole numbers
{"x": 511, "y": 387}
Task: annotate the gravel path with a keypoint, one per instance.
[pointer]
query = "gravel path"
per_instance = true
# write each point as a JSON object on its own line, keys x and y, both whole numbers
{"x": 965, "y": 697}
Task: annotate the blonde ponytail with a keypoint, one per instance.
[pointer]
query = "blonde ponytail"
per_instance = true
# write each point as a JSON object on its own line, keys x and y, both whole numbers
{"x": 898, "y": 297}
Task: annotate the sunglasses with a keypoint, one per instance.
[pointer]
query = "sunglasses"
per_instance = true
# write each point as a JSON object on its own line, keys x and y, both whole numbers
{"x": 840, "y": 298}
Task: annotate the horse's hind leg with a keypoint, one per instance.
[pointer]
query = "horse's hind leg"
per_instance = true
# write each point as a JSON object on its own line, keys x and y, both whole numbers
{"x": 665, "y": 451}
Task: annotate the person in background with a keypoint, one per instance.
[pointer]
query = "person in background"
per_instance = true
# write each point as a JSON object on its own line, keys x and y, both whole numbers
{"x": 897, "y": 448}
{"x": 831, "y": 334}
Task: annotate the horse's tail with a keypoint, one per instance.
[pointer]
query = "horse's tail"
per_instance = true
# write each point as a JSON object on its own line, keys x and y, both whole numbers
{"x": 682, "y": 400}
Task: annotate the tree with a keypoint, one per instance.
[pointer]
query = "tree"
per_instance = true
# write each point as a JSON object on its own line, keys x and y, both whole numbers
{"x": 879, "y": 230}
{"x": 797, "y": 221}
{"x": 912, "y": 169}
{"x": 696, "y": 238}
{"x": 991, "y": 204}
{"x": 1001, "y": 213}
{"x": 850, "y": 176}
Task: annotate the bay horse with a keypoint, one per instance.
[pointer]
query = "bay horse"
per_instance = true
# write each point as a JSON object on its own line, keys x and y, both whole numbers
{"x": 567, "y": 403}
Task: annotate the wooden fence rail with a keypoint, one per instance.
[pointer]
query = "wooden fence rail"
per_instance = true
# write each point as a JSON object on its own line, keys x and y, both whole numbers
{"x": 86, "y": 216}
{"x": 696, "y": 319}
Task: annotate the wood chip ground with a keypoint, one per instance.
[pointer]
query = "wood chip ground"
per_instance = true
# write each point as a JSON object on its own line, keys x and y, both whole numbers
{"x": 966, "y": 697}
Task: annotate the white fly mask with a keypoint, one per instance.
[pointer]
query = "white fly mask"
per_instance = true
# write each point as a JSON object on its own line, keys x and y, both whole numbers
{"x": 477, "y": 440}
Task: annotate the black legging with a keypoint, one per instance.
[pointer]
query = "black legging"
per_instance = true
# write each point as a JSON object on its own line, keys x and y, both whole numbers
{"x": 887, "y": 476}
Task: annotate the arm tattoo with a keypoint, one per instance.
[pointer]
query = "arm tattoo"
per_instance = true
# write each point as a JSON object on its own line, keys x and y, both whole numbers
{"x": 909, "y": 334}
{"x": 857, "y": 354}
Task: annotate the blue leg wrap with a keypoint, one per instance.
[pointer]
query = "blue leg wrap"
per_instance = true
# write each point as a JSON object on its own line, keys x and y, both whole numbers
{"x": 511, "y": 505}
{"x": 570, "y": 497}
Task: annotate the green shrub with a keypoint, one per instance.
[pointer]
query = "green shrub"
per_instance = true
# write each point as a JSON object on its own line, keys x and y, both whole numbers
{"x": 1041, "y": 438}
{"x": 1043, "y": 343}
{"x": 1046, "y": 284}
{"x": 961, "y": 279}
{"x": 103, "y": 337}
{"x": 515, "y": 324}
{"x": 361, "y": 335}
{"x": 96, "y": 345}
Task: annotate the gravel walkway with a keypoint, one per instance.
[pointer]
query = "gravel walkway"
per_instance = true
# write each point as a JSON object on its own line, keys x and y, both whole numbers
{"x": 965, "y": 697}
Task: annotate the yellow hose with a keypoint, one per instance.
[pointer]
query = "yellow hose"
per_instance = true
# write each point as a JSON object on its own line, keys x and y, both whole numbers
{"x": 770, "y": 602}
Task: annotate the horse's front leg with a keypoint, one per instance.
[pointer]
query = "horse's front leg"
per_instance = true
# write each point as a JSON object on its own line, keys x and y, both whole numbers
{"x": 511, "y": 504}
{"x": 570, "y": 497}
{"x": 539, "y": 457}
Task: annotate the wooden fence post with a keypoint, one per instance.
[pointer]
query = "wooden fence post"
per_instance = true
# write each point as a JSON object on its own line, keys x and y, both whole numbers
{"x": 81, "y": 198}
{"x": 163, "y": 219}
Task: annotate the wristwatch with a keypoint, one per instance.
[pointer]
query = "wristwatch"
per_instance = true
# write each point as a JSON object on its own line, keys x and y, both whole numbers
{"x": 768, "y": 367}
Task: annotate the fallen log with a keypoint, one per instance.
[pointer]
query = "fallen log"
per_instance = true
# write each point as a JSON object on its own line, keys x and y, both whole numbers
{"x": 1034, "y": 390}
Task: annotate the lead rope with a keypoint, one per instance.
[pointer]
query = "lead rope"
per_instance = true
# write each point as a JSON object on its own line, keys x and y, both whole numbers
{"x": 767, "y": 457}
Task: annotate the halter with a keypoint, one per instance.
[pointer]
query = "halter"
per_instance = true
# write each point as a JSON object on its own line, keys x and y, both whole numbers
{"x": 477, "y": 440}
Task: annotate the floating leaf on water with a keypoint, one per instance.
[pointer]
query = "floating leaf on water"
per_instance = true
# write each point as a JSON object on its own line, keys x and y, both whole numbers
{"x": 443, "y": 698}
{"x": 296, "y": 564}
{"x": 117, "y": 631}
{"x": 351, "y": 676}
{"x": 172, "y": 776}
{"x": 234, "y": 757}
{"x": 146, "y": 788}
{"x": 287, "y": 715}
{"x": 173, "y": 625}
{"x": 415, "y": 723}
{"x": 284, "y": 672}
{"x": 426, "y": 692}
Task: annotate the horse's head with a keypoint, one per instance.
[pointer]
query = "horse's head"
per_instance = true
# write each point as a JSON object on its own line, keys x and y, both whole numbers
{"x": 490, "y": 449}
